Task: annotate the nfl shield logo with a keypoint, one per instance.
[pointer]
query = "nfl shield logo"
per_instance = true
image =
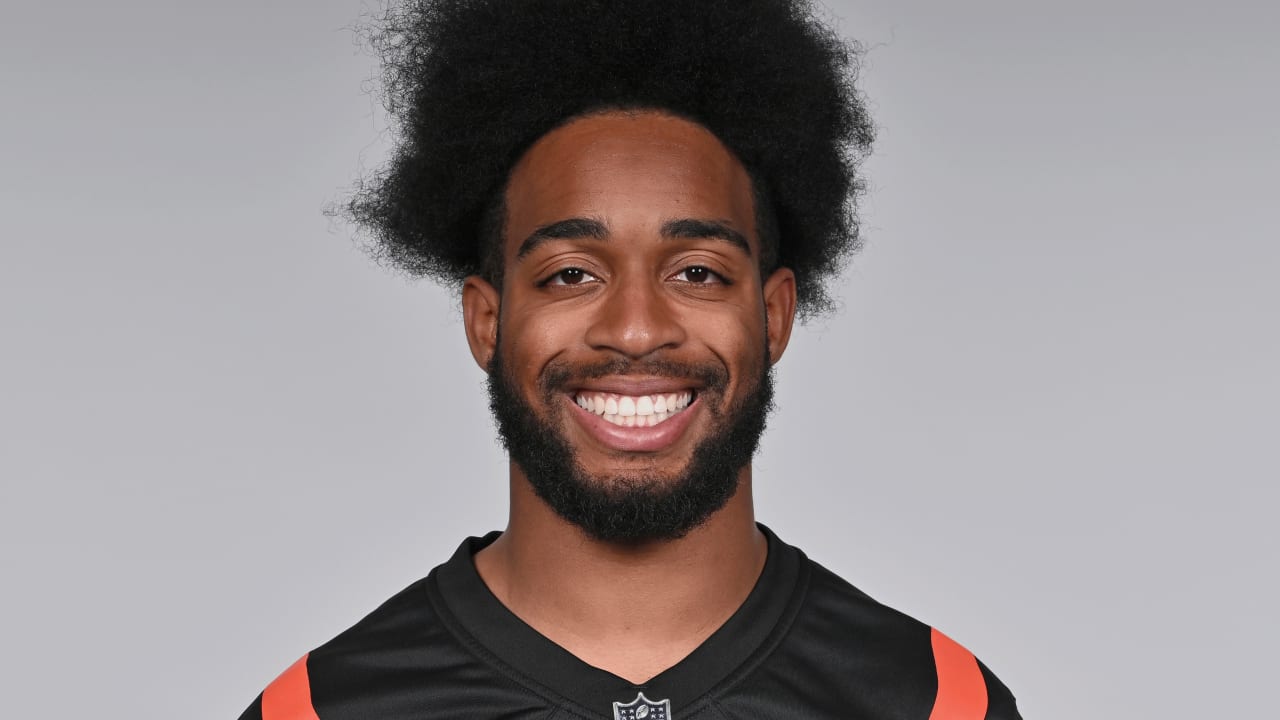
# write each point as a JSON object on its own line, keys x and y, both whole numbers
{"x": 642, "y": 708}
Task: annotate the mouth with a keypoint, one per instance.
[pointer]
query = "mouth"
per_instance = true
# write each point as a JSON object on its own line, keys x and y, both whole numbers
{"x": 634, "y": 410}
{"x": 635, "y": 416}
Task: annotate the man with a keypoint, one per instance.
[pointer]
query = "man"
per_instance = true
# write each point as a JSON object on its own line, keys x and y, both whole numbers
{"x": 636, "y": 199}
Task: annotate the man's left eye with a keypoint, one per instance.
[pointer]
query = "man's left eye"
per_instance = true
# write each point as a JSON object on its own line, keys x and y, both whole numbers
{"x": 698, "y": 275}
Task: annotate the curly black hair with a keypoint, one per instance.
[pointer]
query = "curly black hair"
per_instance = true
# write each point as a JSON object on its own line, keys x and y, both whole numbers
{"x": 471, "y": 84}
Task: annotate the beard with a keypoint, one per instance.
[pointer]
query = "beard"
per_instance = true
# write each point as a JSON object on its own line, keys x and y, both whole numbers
{"x": 631, "y": 507}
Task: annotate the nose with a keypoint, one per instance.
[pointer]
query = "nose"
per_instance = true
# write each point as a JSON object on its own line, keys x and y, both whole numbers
{"x": 636, "y": 318}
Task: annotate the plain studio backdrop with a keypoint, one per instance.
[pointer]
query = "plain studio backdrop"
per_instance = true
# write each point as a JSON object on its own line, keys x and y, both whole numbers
{"x": 1045, "y": 419}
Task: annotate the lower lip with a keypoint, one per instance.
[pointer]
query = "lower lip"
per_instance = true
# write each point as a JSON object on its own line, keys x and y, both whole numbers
{"x": 634, "y": 439}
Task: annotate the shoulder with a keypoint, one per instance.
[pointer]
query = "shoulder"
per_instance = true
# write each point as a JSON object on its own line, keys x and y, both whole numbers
{"x": 920, "y": 659}
{"x": 401, "y": 627}
{"x": 852, "y": 656}
{"x": 381, "y": 667}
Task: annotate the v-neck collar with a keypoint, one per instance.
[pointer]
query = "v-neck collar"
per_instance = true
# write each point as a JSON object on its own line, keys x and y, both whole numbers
{"x": 549, "y": 668}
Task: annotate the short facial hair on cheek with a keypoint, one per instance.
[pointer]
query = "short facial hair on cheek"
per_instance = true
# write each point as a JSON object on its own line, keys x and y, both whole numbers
{"x": 631, "y": 508}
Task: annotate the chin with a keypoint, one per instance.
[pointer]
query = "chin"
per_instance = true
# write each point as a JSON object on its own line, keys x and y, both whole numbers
{"x": 633, "y": 487}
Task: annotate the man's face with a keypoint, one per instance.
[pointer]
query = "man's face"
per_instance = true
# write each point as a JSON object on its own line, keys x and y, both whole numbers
{"x": 631, "y": 379}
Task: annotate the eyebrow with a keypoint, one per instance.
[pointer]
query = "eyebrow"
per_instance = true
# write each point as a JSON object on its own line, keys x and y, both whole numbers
{"x": 587, "y": 228}
{"x": 571, "y": 229}
{"x": 695, "y": 229}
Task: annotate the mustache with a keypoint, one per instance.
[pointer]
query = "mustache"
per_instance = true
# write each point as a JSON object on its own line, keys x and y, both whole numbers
{"x": 560, "y": 376}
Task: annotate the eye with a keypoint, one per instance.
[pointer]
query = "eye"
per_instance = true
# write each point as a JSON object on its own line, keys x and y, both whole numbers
{"x": 698, "y": 275}
{"x": 570, "y": 276}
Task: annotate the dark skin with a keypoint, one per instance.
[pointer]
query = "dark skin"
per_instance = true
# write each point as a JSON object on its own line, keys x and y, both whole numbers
{"x": 601, "y": 264}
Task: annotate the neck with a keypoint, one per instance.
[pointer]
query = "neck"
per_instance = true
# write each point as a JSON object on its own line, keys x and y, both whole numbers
{"x": 566, "y": 584}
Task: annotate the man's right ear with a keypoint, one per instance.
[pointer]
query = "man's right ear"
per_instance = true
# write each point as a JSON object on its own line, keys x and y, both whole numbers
{"x": 480, "y": 302}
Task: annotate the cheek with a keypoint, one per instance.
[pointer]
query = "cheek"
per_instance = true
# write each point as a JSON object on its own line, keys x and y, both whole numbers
{"x": 531, "y": 338}
{"x": 739, "y": 325}
{"x": 738, "y": 340}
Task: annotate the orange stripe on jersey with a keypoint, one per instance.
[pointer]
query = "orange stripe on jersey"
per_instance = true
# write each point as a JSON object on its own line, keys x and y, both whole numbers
{"x": 962, "y": 691}
{"x": 288, "y": 697}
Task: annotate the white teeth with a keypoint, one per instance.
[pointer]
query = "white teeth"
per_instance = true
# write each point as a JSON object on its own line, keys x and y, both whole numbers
{"x": 634, "y": 411}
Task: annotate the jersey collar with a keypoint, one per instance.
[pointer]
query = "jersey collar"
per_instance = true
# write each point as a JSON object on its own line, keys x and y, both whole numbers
{"x": 474, "y": 614}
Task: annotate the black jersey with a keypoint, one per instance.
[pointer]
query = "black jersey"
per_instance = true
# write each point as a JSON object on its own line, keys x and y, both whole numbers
{"x": 804, "y": 644}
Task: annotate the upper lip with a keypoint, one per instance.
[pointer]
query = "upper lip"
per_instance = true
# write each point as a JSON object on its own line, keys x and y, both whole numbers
{"x": 636, "y": 385}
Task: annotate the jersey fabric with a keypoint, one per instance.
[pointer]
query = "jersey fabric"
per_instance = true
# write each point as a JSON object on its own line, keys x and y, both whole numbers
{"x": 804, "y": 644}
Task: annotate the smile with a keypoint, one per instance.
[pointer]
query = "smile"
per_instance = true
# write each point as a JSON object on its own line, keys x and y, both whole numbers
{"x": 634, "y": 410}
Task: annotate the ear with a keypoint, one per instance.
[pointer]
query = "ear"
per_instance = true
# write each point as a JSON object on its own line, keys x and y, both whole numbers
{"x": 480, "y": 302}
{"x": 780, "y": 309}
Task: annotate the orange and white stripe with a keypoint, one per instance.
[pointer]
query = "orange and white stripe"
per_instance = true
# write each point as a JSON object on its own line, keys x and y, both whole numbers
{"x": 288, "y": 697}
{"x": 962, "y": 691}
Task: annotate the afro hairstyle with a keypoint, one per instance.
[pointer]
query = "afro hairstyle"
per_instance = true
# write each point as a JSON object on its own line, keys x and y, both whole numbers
{"x": 471, "y": 84}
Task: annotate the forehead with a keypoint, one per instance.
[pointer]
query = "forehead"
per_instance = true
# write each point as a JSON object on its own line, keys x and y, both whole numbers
{"x": 633, "y": 171}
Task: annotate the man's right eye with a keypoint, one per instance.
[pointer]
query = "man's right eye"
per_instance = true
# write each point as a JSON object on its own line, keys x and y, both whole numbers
{"x": 570, "y": 276}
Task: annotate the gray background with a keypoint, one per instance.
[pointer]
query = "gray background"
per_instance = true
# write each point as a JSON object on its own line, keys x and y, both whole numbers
{"x": 1045, "y": 419}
